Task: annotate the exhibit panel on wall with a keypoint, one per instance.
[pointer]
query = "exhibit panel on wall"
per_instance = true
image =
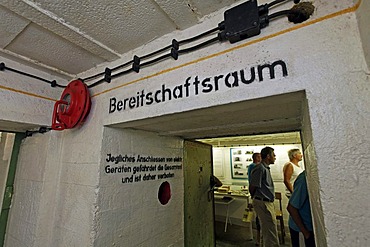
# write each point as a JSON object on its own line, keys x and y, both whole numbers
{"x": 218, "y": 162}
{"x": 240, "y": 158}
{"x": 234, "y": 161}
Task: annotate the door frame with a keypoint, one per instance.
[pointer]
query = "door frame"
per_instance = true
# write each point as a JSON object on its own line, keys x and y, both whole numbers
{"x": 9, "y": 187}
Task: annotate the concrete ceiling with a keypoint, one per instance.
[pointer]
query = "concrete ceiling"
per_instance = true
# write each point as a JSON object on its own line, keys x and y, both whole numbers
{"x": 275, "y": 114}
{"x": 255, "y": 140}
{"x": 72, "y": 36}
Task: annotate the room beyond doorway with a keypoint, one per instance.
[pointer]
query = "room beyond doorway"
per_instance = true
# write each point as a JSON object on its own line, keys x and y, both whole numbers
{"x": 231, "y": 157}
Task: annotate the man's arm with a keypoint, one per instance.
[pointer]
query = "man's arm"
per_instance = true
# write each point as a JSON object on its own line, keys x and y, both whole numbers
{"x": 255, "y": 180}
{"x": 218, "y": 183}
{"x": 288, "y": 171}
{"x": 252, "y": 189}
{"x": 298, "y": 220}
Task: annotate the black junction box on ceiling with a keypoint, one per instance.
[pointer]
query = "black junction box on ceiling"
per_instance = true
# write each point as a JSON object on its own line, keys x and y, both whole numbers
{"x": 242, "y": 21}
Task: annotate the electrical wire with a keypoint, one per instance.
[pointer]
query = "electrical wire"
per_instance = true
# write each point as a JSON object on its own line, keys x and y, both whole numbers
{"x": 103, "y": 73}
{"x": 155, "y": 60}
{"x": 201, "y": 45}
{"x": 154, "y": 53}
{"x": 296, "y": 15}
{"x": 279, "y": 13}
{"x": 269, "y": 5}
{"x": 52, "y": 83}
{"x": 182, "y": 51}
{"x": 96, "y": 83}
{"x": 279, "y": 1}
{"x": 199, "y": 36}
{"x": 92, "y": 77}
{"x": 41, "y": 130}
{"x": 185, "y": 41}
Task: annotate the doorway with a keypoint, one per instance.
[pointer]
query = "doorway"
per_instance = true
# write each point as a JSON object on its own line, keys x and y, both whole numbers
{"x": 231, "y": 158}
{"x": 275, "y": 114}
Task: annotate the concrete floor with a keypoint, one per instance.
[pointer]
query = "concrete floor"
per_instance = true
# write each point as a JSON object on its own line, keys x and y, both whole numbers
{"x": 237, "y": 236}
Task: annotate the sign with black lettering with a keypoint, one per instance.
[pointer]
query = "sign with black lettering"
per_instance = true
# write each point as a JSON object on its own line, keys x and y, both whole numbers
{"x": 141, "y": 168}
{"x": 195, "y": 86}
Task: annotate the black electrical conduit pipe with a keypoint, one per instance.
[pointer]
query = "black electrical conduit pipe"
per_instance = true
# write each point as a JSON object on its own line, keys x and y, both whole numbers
{"x": 294, "y": 14}
{"x": 156, "y": 52}
{"x": 52, "y": 83}
{"x": 174, "y": 54}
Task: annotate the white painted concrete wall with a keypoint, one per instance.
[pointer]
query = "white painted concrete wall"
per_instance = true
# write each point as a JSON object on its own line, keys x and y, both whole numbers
{"x": 313, "y": 179}
{"x": 363, "y": 22}
{"x": 324, "y": 58}
{"x": 130, "y": 214}
{"x": 27, "y": 100}
{"x": 56, "y": 189}
{"x": 32, "y": 212}
{"x": 78, "y": 185}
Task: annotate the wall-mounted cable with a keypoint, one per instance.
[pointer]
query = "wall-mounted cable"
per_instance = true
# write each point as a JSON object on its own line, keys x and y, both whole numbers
{"x": 173, "y": 45}
{"x": 136, "y": 66}
{"x": 52, "y": 83}
{"x": 231, "y": 29}
{"x": 240, "y": 22}
{"x": 41, "y": 130}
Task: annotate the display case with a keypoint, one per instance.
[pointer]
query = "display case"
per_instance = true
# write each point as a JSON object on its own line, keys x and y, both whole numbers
{"x": 240, "y": 160}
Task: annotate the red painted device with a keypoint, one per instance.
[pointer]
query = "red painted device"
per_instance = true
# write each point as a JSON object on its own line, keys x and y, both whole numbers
{"x": 73, "y": 107}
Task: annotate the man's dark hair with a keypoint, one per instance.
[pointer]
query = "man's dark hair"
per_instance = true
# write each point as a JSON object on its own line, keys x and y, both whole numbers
{"x": 254, "y": 156}
{"x": 266, "y": 151}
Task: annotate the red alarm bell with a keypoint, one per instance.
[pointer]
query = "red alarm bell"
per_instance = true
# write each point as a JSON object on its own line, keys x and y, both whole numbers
{"x": 73, "y": 107}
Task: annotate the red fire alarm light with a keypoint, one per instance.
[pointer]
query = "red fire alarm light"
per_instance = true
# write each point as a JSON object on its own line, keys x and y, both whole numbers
{"x": 73, "y": 107}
